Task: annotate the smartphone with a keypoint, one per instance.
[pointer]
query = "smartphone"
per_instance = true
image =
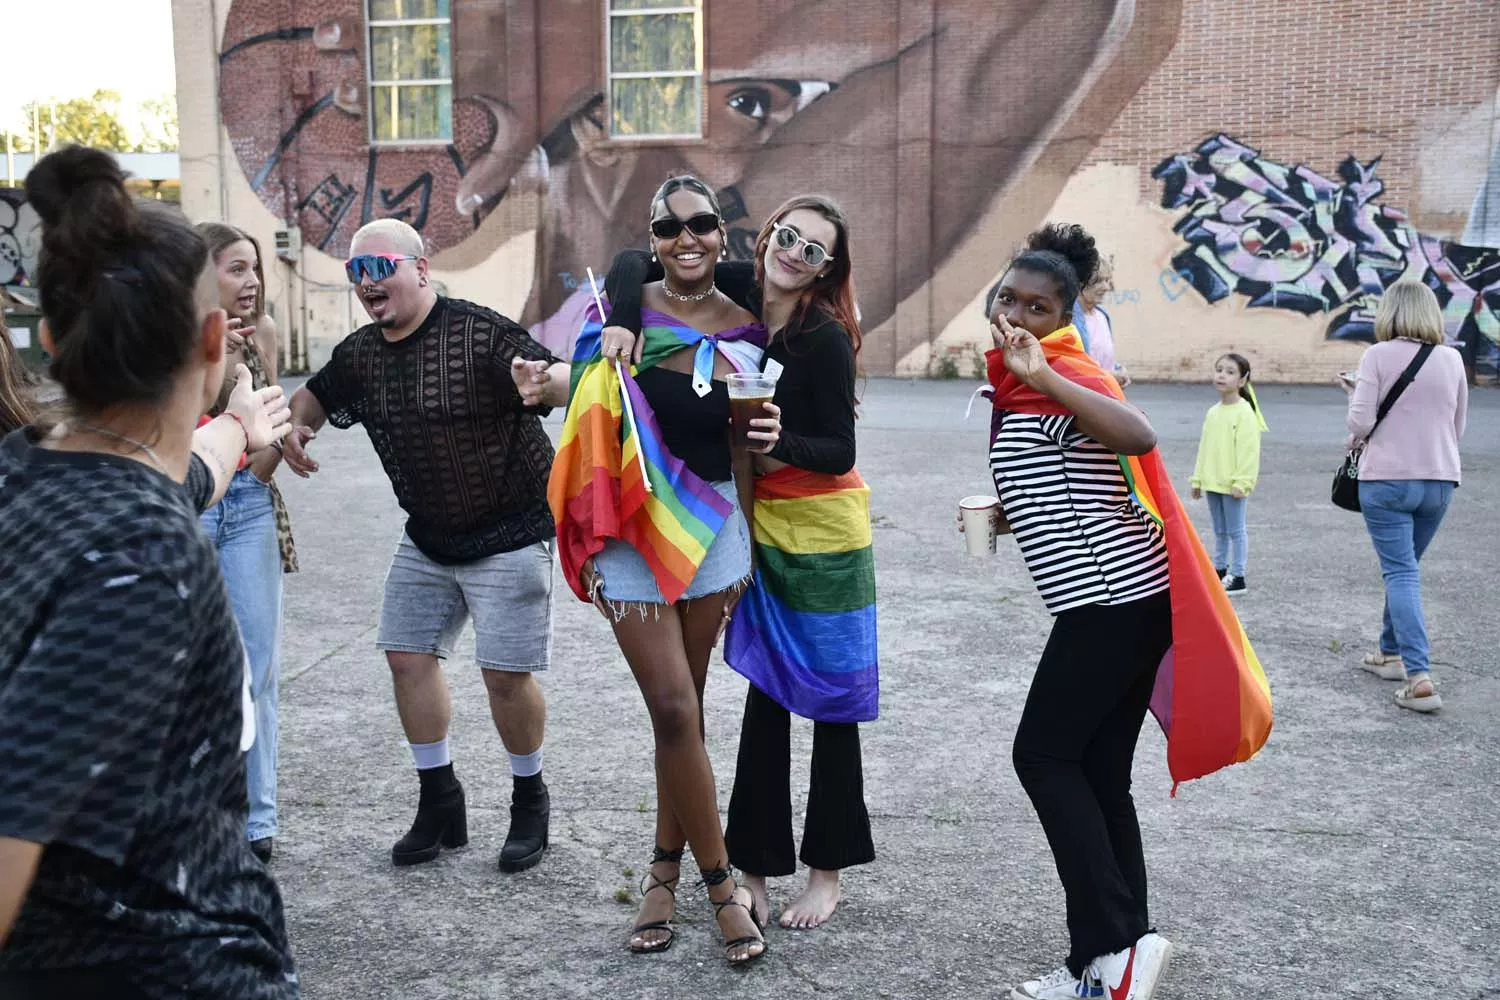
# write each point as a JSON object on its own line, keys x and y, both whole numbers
{"x": 1350, "y": 377}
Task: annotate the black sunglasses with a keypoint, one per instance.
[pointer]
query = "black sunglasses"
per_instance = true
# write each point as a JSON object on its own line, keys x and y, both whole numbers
{"x": 670, "y": 228}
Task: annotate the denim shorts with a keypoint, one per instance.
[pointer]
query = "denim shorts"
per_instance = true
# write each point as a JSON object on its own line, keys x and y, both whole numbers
{"x": 509, "y": 597}
{"x": 627, "y": 578}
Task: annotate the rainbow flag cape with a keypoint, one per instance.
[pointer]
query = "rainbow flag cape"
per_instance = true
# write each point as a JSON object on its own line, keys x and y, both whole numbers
{"x": 1211, "y": 697}
{"x": 805, "y": 632}
{"x": 596, "y": 489}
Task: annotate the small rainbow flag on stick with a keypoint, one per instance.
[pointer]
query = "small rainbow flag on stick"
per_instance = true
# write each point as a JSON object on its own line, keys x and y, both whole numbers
{"x": 1211, "y": 697}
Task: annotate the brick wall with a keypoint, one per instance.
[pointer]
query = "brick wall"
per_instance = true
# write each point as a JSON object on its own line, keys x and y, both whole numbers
{"x": 947, "y": 138}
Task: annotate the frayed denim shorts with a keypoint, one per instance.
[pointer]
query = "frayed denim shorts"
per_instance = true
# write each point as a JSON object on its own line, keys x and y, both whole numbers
{"x": 627, "y": 579}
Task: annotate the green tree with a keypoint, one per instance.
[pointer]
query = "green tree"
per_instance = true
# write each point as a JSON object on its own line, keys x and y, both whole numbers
{"x": 89, "y": 121}
{"x": 158, "y": 125}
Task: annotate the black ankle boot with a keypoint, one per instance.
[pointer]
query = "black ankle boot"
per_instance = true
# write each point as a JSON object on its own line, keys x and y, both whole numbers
{"x": 441, "y": 820}
{"x": 530, "y": 810}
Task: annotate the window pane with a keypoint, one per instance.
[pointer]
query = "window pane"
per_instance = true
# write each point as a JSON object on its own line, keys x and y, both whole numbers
{"x": 412, "y": 113}
{"x": 414, "y": 52}
{"x": 395, "y": 10}
{"x": 664, "y": 106}
{"x": 648, "y": 4}
{"x": 653, "y": 43}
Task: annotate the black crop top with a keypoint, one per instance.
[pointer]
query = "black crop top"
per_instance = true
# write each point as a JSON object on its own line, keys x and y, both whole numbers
{"x": 694, "y": 428}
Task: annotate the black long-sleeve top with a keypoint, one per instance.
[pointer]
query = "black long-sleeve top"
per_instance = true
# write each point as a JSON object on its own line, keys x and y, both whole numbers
{"x": 816, "y": 387}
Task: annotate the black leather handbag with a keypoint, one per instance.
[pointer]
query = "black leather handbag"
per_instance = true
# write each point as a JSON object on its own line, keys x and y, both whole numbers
{"x": 1346, "y": 480}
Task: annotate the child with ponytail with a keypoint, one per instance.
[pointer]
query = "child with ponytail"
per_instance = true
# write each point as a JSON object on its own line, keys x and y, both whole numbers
{"x": 1229, "y": 464}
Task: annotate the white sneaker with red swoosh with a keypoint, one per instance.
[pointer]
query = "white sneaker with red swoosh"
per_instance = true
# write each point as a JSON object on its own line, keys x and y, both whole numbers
{"x": 1133, "y": 974}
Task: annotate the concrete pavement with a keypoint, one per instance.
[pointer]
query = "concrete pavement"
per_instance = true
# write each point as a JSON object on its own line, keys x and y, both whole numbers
{"x": 1354, "y": 857}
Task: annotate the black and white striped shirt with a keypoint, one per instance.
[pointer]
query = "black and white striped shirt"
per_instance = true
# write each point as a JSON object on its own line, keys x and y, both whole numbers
{"x": 1084, "y": 540}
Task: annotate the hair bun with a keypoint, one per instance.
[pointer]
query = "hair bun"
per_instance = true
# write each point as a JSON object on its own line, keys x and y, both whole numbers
{"x": 79, "y": 194}
{"x": 1073, "y": 243}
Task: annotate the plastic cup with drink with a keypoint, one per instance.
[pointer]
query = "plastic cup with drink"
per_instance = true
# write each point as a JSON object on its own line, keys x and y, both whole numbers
{"x": 748, "y": 394}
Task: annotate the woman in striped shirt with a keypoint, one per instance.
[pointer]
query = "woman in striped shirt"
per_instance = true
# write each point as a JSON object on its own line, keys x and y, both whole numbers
{"x": 1100, "y": 563}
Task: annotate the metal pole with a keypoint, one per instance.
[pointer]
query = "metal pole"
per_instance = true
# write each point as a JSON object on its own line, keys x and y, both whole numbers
{"x": 10, "y": 161}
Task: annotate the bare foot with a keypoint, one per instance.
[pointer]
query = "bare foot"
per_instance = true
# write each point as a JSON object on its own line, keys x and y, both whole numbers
{"x": 758, "y": 892}
{"x": 816, "y": 904}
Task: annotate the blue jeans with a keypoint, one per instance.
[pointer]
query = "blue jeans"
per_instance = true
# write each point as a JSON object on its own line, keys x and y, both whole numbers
{"x": 1402, "y": 516}
{"x": 243, "y": 529}
{"x": 1231, "y": 544}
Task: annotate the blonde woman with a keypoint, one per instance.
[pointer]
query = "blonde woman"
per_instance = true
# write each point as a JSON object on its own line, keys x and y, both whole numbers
{"x": 1408, "y": 471}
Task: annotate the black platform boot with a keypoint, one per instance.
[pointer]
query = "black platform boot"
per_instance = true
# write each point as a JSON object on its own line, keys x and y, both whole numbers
{"x": 530, "y": 811}
{"x": 441, "y": 820}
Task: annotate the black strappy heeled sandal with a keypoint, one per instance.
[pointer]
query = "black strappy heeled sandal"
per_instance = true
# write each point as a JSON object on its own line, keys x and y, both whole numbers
{"x": 658, "y": 856}
{"x": 718, "y": 876}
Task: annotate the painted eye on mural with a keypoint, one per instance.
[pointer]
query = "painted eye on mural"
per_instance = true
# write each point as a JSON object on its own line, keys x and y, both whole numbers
{"x": 752, "y": 102}
{"x": 771, "y": 103}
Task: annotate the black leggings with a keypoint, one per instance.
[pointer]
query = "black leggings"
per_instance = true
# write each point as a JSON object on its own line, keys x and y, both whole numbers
{"x": 1073, "y": 754}
{"x": 836, "y": 833}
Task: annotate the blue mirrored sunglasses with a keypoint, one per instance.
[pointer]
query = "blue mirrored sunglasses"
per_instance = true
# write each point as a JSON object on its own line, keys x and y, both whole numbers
{"x": 375, "y": 266}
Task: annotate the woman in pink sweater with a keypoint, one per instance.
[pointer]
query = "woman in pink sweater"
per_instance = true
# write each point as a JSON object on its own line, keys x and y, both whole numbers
{"x": 1408, "y": 472}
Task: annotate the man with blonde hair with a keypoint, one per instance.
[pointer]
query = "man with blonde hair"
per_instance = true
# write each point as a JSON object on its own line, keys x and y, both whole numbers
{"x": 430, "y": 380}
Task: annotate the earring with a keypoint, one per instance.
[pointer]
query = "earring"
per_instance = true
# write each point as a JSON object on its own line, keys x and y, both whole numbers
{"x": 723, "y": 252}
{"x": 653, "y": 253}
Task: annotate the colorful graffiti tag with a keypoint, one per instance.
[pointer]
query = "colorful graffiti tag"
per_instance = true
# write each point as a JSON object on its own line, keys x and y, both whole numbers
{"x": 1292, "y": 238}
{"x": 18, "y": 237}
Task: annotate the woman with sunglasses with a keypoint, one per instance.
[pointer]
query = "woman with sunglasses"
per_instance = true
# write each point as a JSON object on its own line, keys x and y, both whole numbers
{"x": 666, "y": 623}
{"x": 250, "y": 527}
{"x": 805, "y": 640}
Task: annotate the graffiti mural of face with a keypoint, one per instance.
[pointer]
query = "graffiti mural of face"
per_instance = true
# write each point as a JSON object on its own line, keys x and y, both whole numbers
{"x": 396, "y": 302}
{"x": 787, "y": 269}
{"x": 829, "y": 96}
{"x": 1030, "y": 300}
{"x": 239, "y": 288}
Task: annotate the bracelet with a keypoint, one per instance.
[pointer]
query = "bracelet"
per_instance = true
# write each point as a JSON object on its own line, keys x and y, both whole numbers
{"x": 244, "y": 452}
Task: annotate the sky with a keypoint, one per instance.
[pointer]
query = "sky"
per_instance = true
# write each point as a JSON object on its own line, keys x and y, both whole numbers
{"x": 71, "y": 48}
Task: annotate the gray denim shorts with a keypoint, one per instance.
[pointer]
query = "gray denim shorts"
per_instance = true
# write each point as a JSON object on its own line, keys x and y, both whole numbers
{"x": 509, "y": 596}
{"x": 627, "y": 578}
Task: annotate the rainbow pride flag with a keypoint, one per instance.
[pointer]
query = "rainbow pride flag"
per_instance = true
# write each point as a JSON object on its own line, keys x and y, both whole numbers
{"x": 1211, "y": 697}
{"x": 597, "y": 490}
{"x": 805, "y": 632}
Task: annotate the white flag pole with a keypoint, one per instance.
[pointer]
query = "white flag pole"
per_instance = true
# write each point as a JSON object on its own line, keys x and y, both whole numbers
{"x": 640, "y": 453}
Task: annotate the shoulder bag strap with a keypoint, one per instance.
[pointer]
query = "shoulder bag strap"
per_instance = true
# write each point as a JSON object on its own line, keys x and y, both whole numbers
{"x": 1396, "y": 390}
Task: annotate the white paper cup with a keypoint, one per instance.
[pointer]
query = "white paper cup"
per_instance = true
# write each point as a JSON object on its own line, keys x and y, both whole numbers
{"x": 979, "y": 527}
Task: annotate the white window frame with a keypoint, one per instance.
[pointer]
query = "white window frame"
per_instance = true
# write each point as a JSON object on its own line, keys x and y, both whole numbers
{"x": 610, "y": 76}
{"x": 371, "y": 83}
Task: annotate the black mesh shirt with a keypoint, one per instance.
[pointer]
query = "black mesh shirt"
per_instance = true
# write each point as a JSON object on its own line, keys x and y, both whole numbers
{"x": 122, "y": 725}
{"x": 467, "y": 460}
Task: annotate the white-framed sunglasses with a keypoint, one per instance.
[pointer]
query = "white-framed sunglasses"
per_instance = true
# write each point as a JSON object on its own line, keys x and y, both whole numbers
{"x": 813, "y": 254}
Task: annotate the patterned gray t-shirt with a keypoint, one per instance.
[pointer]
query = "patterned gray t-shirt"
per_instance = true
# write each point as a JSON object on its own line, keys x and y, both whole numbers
{"x": 121, "y": 717}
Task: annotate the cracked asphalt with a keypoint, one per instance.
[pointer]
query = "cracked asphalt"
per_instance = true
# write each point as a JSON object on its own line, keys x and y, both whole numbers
{"x": 1354, "y": 857}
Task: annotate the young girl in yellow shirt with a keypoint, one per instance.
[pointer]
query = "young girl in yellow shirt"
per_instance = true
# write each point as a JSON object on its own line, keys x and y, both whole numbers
{"x": 1228, "y": 466}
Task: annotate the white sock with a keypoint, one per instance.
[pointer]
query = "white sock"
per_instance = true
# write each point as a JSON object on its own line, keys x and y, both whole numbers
{"x": 430, "y": 755}
{"x": 524, "y": 765}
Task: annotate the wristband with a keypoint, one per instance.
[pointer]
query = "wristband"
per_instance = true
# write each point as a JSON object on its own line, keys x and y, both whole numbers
{"x": 244, "y": 453}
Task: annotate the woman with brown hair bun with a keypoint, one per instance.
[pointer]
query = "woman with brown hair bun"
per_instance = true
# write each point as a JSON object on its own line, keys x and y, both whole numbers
{"x": 124, "y": 716}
